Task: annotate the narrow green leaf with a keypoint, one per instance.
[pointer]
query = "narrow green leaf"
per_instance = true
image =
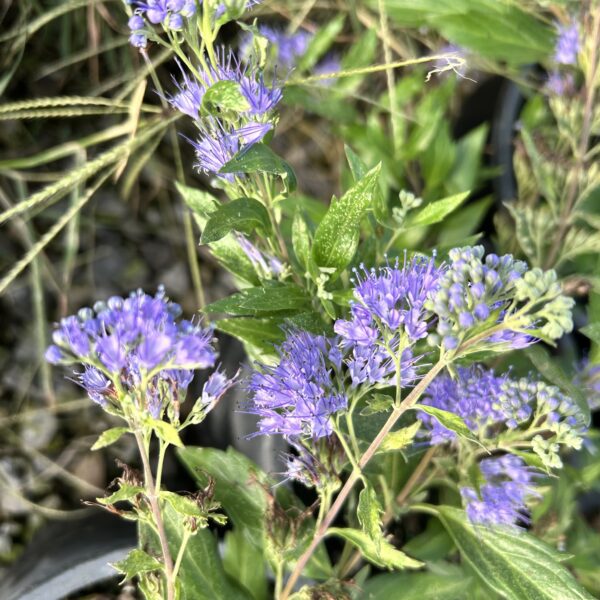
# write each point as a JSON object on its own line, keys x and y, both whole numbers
{"x": 244, "y": 214}
{"x": 447, "y": 419}
{"x": 108, "y": 437}
{"x": 369, "y": 513}
{"x": 183, "y": 505}
{"x": 510, "y": 562}
{"x": 224, "y": 96}
{"x": 320, "y": 43}
{"x": 437, "y": 211}
{"x": 260, "y": 158}
{"x": 386, "y": 556}
{"x": 336, "y": 238}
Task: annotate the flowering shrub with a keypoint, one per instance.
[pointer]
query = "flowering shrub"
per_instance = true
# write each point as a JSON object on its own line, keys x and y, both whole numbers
{"x": 386, "y": 357}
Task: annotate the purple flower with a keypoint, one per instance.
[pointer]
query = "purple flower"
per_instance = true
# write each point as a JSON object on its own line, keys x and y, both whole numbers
{"x": 567, "y": 44}
{"x": 502, "y": 499}
{"x": 473, "y": 396}
{"x": 297, "y": 397}
{"x": 214, "y": 151}
{"x": 214, "y": 388}
{"x": 390, "y": 298}
{"x": 95, "y": 384}
{"x": 130, "y": 341}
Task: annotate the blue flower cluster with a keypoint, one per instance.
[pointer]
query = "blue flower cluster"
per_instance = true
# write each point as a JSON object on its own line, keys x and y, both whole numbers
{"x": 474, "y": 289}
{"x": 135, "y": 346}
{"x": 223, "y": 136}
{"x": 490, "y": 404}
{"x": 388, "y": 315}
{"x": 502, "y": 499}
{"x": 297, "y": 397}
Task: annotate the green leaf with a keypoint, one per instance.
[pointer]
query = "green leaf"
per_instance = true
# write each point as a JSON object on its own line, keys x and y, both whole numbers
{"x": 261, "y": 333}
{"x": 369, "y": 513}
{"x": 386, "y": 556}
{"x": 183, "y": 505}
{"x": 359, "y": 170}
{"x": 592, "y": 331}
{"x": 336, "y": 238}
{"x": 259, "y": 158}
{"x": 271, "y": 298}
{"x": 377, "y": 403}
{"x": 554, "y": 373}
{"x": 244, "y": 564}
{"x": 137, "y": 562}
{"x": 510, "y": 562}
{"x": 244, "y": 214}
{"x": 224, "y": 96}
{"x": 201, "y": 576}
{"x": 437, "y": 211}
{"x": 447, "y": 419}
{"x": 108, "y": 437}
{"x": 126, "y": 491}
{"x": 320, "y": 43}
{"x": 239, "y": 486}
{"x": 449, "y": 585}
{"x": 396, "y": 440}
{"x": 301, "y": 240}
{"x": 166, "y": 432}
{"x": 227, "y": 250}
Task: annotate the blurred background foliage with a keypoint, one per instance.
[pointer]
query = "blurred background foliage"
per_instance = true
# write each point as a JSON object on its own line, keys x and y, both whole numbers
{"x": 90, "y": 157}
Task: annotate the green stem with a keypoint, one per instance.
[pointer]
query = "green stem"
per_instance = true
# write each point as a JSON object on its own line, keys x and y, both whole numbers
{"x": 186, "y": 538}
{"x": 143, "y": 443}
{"x": 159, "y": 467}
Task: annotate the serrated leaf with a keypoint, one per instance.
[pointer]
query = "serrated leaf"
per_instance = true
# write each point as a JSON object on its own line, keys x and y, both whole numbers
{"x": 224, "y": 96}
{"x": 554, "y": 373}
{"x": 108, "y": 437}
{"x": 260, "y": 158}
{"x": 369, "y": 513}
{"x": 137, "y": 562}
{"x": 261, "y": 333}
{"x": 272, "y": 298}
{"x": 448, "y": 420}
{"x": 377, "y": 403}
{"x": 244, "y": 214}
{"x": 359, "y": 170}
{"x": 336, "y": 238}
{"x": 437, "y": 211}
{"x": 166, "y": 432}
{"x": 183, "y": 505}
{"x": 396, "y": 440}
{"x": 386, "y": 556}
{"x": 511, "y": 562}
{"x": 126, "y": 491}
